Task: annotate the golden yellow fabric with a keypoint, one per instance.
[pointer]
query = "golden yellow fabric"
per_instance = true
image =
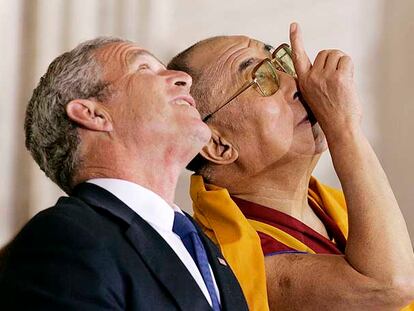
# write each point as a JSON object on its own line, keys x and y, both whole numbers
{"x": 332, "y": 201}
{"x": 221, "y": 219}
{"x": 409, "y": 308}
{"x": 223, "y": 222}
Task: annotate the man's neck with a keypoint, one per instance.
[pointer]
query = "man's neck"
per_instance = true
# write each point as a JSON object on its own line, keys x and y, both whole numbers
{"x": 155, "y": 171}
{"x": 282, "y": 187}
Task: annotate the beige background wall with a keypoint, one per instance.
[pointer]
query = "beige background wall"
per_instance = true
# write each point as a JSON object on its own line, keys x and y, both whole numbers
{"x": 378, "y": 34}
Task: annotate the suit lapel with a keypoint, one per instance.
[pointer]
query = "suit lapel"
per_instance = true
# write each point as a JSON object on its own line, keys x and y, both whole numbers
{"x": 230, "y": 290}
{"x": 151, "y": 247}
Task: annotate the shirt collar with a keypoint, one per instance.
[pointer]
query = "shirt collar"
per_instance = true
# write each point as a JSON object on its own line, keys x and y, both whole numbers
{"x": 146, "y": 203}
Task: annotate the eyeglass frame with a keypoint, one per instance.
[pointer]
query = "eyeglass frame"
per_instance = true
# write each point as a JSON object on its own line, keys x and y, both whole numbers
{"x": 247, "y": 85}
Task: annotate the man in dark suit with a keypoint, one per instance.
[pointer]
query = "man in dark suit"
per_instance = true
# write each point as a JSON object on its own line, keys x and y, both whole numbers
{"x": 113, "y": 128}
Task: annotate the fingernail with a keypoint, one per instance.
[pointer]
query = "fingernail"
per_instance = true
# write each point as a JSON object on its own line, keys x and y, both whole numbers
{"x": 293, "y": 27}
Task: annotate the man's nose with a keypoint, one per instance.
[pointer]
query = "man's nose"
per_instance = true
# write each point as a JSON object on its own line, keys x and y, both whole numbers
{"x": 288, "y": 83}
{"x": 180, "y": 78}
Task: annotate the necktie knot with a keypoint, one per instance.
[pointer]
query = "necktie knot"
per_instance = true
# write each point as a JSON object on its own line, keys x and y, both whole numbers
{"x": 182, "y": 226}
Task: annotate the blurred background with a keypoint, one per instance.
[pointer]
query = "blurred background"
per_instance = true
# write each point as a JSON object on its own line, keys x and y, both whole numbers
{"x": 378, "y": 34}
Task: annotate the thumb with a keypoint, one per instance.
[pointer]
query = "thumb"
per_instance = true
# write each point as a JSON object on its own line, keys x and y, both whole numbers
{"x": 300, "y": 58}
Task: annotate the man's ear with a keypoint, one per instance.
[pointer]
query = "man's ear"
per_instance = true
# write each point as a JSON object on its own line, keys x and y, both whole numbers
{"x": 89, "y": 114}
{"x": 218, "y": 150}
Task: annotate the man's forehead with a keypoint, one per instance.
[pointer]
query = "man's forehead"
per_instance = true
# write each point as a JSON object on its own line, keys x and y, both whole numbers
{"x": 127, "y": 51}
{"x": 216, "y": 51}
{"x": 133, "y": 55}
{"x": 217, "y": 60}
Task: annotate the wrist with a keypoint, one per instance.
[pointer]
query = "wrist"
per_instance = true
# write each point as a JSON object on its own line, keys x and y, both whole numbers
{"x": 344, "y": 135}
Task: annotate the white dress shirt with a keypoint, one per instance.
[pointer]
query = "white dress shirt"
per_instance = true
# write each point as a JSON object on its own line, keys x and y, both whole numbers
{"x": 160, "y": 215}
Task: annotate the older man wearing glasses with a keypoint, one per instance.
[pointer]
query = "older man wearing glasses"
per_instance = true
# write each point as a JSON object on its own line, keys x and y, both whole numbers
{"x": 254, "y": 194}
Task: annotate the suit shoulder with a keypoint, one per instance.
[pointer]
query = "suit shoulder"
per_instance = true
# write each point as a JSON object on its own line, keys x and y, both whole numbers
{"x": 70, "y": 221}
{"x": 59, "y": 260}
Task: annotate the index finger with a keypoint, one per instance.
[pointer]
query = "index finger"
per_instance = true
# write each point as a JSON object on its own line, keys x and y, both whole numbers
{"x": 300, "y": 58}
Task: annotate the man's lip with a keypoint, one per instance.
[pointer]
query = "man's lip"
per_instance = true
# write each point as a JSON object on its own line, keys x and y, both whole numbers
{"x": 308, "y": 118}
{"x": 296, "y": 95}
{"x": 305, "y": 119}
{"x": 188, "y": 98}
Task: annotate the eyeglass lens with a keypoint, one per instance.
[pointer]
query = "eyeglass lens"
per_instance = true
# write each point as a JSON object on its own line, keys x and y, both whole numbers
{"x": 266, "y": 77}
{"x": 284, "y": 56}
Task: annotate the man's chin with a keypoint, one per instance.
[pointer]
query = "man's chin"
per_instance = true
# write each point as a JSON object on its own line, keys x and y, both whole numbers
{"x": 321, "y": 144}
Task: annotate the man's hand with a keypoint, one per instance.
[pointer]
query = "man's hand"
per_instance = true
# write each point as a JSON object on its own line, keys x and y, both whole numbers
{"x": 377, "y": 269}
{"x": 327, "y": 86}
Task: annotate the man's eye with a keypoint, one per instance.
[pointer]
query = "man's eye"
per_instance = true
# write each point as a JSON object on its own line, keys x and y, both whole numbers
{"x": 269, "y": 48}
{"x": 143, "y": 67}
{"x": 246, "y": 64}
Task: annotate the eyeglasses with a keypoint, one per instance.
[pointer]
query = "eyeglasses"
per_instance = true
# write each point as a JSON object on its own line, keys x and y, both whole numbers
{"x": 265, "y": 76}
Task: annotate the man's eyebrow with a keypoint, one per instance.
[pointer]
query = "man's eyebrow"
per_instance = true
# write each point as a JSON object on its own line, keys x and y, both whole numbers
{"x": 246, "y": 63}
{"x": 243, "y": 65}
{"x": 134, "y": 55}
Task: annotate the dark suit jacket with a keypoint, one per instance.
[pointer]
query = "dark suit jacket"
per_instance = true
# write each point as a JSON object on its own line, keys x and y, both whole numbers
{"x": 92, "y": 252}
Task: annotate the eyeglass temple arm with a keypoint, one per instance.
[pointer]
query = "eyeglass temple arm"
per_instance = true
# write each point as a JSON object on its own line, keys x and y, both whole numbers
{"x": 244, "y": 88}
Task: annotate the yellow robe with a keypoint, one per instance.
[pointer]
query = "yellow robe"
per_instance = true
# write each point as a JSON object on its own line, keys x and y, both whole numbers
{"x": 221, "y": 219}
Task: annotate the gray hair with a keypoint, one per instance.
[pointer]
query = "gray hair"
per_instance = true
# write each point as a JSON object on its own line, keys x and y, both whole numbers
{"x": 51, "y": 137}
